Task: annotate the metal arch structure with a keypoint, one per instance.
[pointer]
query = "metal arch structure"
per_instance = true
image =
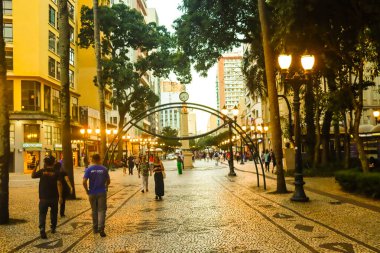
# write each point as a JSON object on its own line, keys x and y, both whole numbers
{"x": 179, "y": 105}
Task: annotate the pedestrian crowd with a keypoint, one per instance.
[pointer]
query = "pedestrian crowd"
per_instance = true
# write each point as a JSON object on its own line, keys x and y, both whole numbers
{"x": 55, "y": 187}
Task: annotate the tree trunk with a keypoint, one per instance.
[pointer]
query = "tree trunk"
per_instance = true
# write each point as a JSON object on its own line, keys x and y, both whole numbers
{"x": 309, "y": 120}
{"x": 4, "y": 132}
{"x": 275, "y": 125}
{"x": 325, "y": 138}
{"x": 346, "y": 143}
{"x": 99, "y": 82}
{"x": 337, "y": 141}
{"x": 64, "y": 46}
{"x": 358, "y": 114}
{"x": 317, "y": 139}
{"x": 122, "y": 114}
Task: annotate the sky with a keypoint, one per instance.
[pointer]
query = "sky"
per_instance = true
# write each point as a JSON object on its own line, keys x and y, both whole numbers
{"x": 201, "y": 90}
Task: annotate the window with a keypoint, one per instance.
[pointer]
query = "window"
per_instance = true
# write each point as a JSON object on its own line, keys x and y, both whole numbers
{"x": 51, "y": 67}
{"x": 10, "y": 95}
{"x": 12, "y": 134}
{"x": 52, "y": 42}
{"x": 56, "y": 135}
{"x": 71, "y": 78}
{"x": 7, "y": 7}
{"x": 52, "y": 16}
{"x": 72, "y": 38}
{"x": 71, "y": 10}
{"x": 31, "y": 133}
{"x": 47, "y": 99}
{"x": 30, "y": 95}
{"x": 74, "y": 108}
{"x": 8, "y": 32}
{"x": 71, "y": 60}
{"x": 9, "y": 59}
{"x": 48, "y": 135}
{"x": 56, "y": 102}
{"x": 58, "y": 70}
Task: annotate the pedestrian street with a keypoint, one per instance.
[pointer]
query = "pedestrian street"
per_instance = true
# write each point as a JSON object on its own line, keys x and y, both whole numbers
{"x": 203, "y": 210}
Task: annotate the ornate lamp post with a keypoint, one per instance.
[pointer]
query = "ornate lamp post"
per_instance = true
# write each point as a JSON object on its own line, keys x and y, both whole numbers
{"x": 235, "y": 113}
{"x": 296, "y": 80}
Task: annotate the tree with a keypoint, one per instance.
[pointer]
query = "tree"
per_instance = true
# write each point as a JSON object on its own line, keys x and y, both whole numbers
{"x": 209, "y": 28}
{"x": 64, "y": 46}
{"x": 99, "y": 83}
{"x": 170, "y": 144}
{"x": 120, "y": 72}
{"x": 4, "y": 132}
{"x": 344, "y": 36}
{"x": 273, "y": 96}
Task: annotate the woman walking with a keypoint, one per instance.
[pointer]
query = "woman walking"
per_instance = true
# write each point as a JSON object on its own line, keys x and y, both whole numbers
{"x": 158, "y": 169}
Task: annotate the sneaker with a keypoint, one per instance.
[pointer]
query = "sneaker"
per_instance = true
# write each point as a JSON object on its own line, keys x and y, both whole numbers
{"x": 95, "y": 231}
{"x": 142, "y": 191}
{"x": 102, "y": 234}
{"x": 43, "y": 235}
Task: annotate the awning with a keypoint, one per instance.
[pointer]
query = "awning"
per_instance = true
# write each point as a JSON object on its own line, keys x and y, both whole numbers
{"x": 58, "y": 147}
{"x": 32, "y": 146}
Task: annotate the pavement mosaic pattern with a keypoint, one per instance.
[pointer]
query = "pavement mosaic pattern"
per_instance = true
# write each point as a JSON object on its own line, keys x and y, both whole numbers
{"x": 203, "y": 211}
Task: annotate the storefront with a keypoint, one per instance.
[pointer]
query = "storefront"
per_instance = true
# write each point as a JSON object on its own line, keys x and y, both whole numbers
{"x": 32, "y": 156}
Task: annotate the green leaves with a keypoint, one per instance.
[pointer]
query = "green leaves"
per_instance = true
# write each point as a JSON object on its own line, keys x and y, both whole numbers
{"x": 130, "y": 49}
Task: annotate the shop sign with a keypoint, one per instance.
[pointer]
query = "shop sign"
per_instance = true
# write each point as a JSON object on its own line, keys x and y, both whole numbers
{"x": 32, "y": 146}
{"x": 58, "y": 147}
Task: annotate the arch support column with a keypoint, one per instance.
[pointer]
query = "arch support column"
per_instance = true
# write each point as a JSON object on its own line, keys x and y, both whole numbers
{"x": 187, "y": 154}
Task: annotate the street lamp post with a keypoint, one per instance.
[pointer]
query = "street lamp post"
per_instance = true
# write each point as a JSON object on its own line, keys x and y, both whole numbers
{"x": 235, "y": 112}
{"x": 296, "y": 80}
{"x": 86, "y": 133}
{"x": 376, "y": 114}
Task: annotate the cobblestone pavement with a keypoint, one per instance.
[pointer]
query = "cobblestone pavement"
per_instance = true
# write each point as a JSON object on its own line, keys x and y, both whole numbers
{"x": 203, "y": 211}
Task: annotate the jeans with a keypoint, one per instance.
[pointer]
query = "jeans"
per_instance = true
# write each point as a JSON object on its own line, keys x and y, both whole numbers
{"x": 145, "y": 182}
{"x": 43, "y": 209}
{"x": 99, "y": 206}
{"x": 62, "y": 206}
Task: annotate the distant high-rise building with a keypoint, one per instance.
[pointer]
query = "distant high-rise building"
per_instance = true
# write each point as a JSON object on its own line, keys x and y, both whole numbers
{"x": 230, "y": 80}
{"x": 170, "y": 94}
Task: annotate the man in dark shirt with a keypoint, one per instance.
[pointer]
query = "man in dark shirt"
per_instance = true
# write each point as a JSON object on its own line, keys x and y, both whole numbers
{"x": 97, "y": 193}
{"x": 50, "y": 191}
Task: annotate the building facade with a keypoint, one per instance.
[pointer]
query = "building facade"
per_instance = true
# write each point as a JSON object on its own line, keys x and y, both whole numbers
{"x": 33, "y": 80}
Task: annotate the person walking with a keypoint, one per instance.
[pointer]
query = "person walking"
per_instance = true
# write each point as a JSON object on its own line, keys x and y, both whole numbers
{"x": 131, "y": 164}
{"x": 216, "y": 157}
{"x": 159, "y": 172}
{"x": 144, "y": 171}
{"x": 274, "y": 162}
{"x": 67, "y": 188}
{"x": 137, "y": 162}
{"x": 267, "y": 160}
{"x": 50, "y": 193}
{"x": 99, "y": 179}
{"x": 179, "y": 164}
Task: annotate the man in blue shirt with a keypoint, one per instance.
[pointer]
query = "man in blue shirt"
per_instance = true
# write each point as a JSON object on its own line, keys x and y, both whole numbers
{"x": 99, "y": 179}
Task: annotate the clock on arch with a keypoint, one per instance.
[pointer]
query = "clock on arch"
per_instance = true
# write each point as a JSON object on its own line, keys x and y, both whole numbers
{"x": 183, "y": 96}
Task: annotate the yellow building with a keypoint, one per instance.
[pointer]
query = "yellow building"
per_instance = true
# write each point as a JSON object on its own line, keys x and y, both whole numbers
{"x": 33, "y": 79}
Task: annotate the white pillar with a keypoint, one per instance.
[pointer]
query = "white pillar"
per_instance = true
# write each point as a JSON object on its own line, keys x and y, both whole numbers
{"x": 184, "y": 132}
